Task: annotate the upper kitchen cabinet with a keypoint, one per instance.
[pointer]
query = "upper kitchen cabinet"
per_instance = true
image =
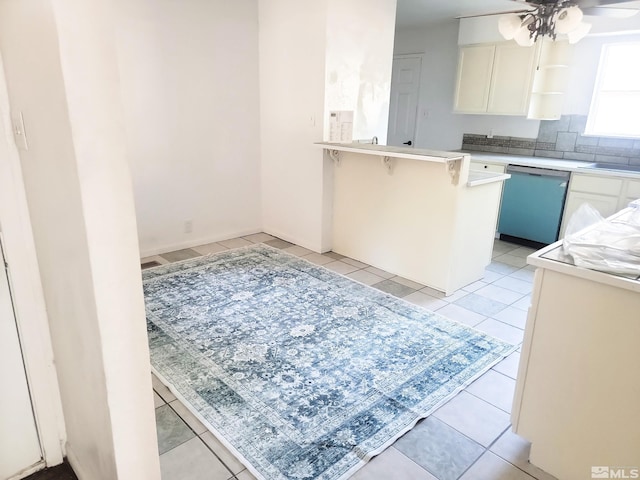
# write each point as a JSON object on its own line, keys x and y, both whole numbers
{"x": 495, "y": 78}
{"x": 475, "y": 67}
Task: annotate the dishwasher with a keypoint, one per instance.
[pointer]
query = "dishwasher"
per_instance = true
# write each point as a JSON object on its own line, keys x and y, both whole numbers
{"x": 532, "y": 204}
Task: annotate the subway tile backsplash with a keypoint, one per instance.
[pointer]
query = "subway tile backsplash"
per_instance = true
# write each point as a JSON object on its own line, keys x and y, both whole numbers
{"x": 560, "y": 139}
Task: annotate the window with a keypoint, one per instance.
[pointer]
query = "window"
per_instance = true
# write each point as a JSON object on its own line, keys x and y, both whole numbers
{"x": 615, "y": 108}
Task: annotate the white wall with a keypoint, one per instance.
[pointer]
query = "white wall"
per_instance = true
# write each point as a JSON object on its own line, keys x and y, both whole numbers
{"x": 189, "y": 77}
{"x": 316, "y": 56}
{"x": 292, "y": 74}
{"x": 360, "y": 36}
{"x": 437, "y": 126}
{"x": 61, "y": 72}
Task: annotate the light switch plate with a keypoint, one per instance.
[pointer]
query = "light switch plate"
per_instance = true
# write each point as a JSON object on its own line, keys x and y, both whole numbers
{"x": 19, "y": 133}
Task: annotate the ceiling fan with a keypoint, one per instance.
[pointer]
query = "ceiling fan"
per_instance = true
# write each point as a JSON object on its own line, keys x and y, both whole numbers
{"x": 552, "y": 17}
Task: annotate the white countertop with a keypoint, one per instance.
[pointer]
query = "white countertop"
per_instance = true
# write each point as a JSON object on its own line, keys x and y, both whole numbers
{"x": 553, "y": 257}
{"x": 482, "y": 178}
{"x": 575, "y": 166}
{"x": 396, "y": 152}
{"x": 474, "y": 179}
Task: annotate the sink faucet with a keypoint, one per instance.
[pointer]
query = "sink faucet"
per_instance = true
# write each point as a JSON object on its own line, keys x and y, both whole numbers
{"x": 374, "y": 140}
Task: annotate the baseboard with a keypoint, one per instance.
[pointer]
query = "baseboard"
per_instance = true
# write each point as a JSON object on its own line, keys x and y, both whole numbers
{"x": 41, "y": 465}
{"x": 291, "y": 239}
{"x": 75, "y": 464}
{"x": 196, "y": 242}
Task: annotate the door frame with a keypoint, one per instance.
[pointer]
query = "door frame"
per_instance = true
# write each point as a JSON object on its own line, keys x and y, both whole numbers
{"x": 27, "y": 294}
{"x": 402, "y": 56}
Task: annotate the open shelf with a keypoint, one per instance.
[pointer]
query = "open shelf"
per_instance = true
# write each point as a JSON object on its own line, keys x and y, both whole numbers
{"x": 550, "y": 81}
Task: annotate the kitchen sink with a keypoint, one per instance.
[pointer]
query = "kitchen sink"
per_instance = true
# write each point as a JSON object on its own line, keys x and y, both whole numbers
{"x": 613, "y": 166}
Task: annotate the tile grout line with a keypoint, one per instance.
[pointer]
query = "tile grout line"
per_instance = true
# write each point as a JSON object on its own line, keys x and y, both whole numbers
{"x": 196, "y": 435}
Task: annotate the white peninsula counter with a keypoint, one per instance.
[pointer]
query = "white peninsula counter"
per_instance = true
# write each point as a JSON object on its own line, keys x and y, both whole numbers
{"x": 419, "y": 214}
{"x": 578, "y": 392}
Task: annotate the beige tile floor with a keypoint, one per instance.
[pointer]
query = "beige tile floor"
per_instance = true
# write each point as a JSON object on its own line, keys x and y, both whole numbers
{"x": 468, "y": 438}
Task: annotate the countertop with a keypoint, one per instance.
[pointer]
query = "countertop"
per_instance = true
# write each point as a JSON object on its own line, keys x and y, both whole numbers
{"x": 475, "y": 178}
{"x": 553, "y": 257}
{"x": 395, "y": 152}
{"x": 549, "y": 163}
{"x": 482, "y": 178}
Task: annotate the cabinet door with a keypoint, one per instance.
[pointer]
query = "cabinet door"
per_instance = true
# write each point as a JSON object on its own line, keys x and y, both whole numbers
{"x": 604, "y": 204}
{"x": 475, "y": 64}
{"x": 633, "y": 190}
{"x": 513, "y": 69}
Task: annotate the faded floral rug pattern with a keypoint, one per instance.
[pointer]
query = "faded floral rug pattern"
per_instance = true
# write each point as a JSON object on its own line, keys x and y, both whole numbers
{"x": 302, "y": 372}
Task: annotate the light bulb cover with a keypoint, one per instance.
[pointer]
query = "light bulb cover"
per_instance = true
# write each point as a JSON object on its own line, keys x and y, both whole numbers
{"x": 579, "y": 33}
{"x": 508, "y": 25}
{"x": 568, "y": 19}
{"x": 523, "y": 37}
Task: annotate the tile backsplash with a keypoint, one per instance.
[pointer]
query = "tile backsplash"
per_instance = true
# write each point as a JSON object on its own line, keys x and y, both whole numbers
{"x": 560, "y": 139}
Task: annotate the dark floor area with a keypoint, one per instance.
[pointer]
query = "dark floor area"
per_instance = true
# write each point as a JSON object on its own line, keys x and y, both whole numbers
{"x": 60, "y": 472}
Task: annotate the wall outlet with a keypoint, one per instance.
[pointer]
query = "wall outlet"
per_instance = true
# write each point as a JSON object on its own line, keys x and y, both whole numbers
{"x": 188, "y": 226}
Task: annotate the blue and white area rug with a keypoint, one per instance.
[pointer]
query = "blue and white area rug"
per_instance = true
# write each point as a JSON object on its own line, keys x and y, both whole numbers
{"x": 303, "y": 373}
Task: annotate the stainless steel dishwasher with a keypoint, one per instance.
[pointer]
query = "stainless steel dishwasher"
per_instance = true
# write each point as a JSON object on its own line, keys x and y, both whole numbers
{"x": 532, "y": 204}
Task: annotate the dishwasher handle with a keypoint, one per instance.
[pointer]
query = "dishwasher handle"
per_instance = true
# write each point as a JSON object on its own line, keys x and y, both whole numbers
{"x": 538, "y": 172}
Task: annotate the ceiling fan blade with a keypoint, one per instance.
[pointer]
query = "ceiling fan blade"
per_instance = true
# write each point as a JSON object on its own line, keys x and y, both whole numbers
{"x": 610, "y": 12}
{"x": 629, "y": 4}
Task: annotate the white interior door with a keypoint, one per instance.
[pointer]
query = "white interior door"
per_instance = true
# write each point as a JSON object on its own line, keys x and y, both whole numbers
{"x": 19, "y": 443}
{"x": 403, "y": 108}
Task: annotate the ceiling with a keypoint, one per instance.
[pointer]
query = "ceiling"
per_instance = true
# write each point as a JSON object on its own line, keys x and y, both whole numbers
{"x": 414, "y": 13}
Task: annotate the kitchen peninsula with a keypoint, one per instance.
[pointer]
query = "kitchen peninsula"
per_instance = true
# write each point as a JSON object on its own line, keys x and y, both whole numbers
{"x": 577, "y": 392}
{"x": 420, "y": 214}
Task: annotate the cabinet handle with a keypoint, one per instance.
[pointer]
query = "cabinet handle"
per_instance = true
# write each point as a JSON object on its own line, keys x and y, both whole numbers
{"x": 408, "y": 143}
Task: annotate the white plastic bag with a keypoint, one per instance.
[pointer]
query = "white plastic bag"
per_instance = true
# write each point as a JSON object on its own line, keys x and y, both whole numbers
{"x": 604, "y": 245}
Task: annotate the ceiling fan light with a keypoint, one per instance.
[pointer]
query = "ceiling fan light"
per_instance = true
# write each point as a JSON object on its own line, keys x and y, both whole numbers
{"x": 523, "y": 37}
{"x": 579, "y": 33}
{"x": 568, "y": 19}
{"x": 508, "y": 25}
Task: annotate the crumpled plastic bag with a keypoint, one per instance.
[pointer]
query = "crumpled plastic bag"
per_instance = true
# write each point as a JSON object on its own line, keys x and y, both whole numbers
{"x": 611, "y": 246}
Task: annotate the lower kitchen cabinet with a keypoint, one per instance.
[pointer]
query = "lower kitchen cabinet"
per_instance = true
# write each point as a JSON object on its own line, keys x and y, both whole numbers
{"x": 606, "y": 194}
{"x": 633, "y": 191}
{"x": 605, "y": 204}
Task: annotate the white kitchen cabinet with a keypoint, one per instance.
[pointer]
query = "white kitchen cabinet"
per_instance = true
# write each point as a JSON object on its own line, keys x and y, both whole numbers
{"x": 475, "y": 66}
{"x": 606, "y": 194}
{"x": 605, "y": 204}
{"x": 632, "y": 192}
{"x": 494, "y": 79}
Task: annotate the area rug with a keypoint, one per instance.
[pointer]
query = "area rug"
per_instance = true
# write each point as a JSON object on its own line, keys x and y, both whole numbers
{"x": 302, "y": 372}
